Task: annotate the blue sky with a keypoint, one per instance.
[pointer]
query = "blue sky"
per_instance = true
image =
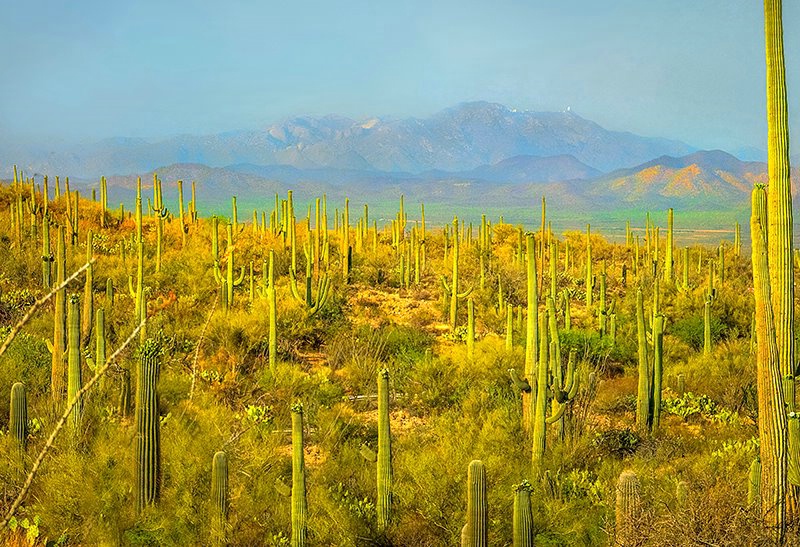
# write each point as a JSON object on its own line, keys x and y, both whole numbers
{"x": 84, "y": 70}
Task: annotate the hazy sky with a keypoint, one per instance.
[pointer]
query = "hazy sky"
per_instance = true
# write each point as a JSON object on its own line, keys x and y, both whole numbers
{"x": 88, "y": 69}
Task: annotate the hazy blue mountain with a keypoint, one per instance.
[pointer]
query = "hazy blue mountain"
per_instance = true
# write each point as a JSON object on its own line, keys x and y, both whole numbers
{"x": 456, "y": 139}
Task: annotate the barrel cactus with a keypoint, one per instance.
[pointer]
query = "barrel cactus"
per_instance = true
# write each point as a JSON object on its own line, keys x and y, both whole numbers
{"x": 628, "y": 510}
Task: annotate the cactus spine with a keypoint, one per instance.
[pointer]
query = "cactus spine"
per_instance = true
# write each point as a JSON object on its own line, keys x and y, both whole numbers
{"x": 299, "y": 506}
{"x": 148, "y": 432}
{"x": 219, "y": 494}
{"x": 475, "y": 533}
{"x": 74, "y": 381}
{"x": 18, "y": 416}
{"x": 384, "y": 505}
{"x": 628, "y": 507}
{"x": 523, "y": 516}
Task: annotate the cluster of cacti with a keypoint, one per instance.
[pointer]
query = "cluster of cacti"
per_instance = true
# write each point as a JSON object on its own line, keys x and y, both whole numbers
{"x": 148, "y": 425}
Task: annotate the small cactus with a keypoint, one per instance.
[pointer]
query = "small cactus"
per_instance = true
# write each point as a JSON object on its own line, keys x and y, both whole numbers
{"x": 18, "y": 416}
{"x": 628, "y": 510}
{"x": 219, "y": 494}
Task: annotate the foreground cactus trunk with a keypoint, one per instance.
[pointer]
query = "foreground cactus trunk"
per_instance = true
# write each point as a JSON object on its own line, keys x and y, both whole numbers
{"x": 384, "y": 505}
{"x": 523, "y": 516}
{"x": 475, "y": 533}
{"x": 18, "y": 416}
{"x": 74, "y": 379}
{"x": 219, "y": 495}
{"x": 772, "y": 425}
{"x": 148, "y": 432}
{"x": 299, "y": 505}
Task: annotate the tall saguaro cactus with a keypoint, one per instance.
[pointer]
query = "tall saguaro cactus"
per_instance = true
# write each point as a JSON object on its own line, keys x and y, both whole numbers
{"x": 74, "y": 379}
{"x": 643, "y": 399}
{"x": 384, "y": 504}
{"x": 299, "y": 505}
{"x": 531, "y": 331}
{"x": 475, "y": 533}
{"x": 59, "y": 345}
{"x": 772, "y": 422}
{"x": 148, "y": 431}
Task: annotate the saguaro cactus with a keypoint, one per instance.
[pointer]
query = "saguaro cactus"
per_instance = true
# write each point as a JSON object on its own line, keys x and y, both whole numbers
{"x": 643, "y": 401}
{"x": 658, "y": 368}
{"x": 475, "y": 533}
{"x": 148, "y": 431}
{"x": 628, "y": 510}
{"x": 18, "y": 416}
{"x": 772, "y": 420}
{"x": 452, "y": 289}
{"x": 470, "y": 329}
{"x": 219, "y": 494}
{"x": 531, "y": 330}
{"x": 229, "y": 281}
{"x": 59, "y": 345}
{"x": 323, "y": 286}
{"x": 523, "y": 516}
{"x": 74, "y": 379}
{"x": 384, "y": 504}
{"x": 299, "y": 505}
{"x": 707, "y": 327}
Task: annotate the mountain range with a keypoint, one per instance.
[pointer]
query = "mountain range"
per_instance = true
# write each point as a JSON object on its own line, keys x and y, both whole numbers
{"x": 467, "y": 154}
